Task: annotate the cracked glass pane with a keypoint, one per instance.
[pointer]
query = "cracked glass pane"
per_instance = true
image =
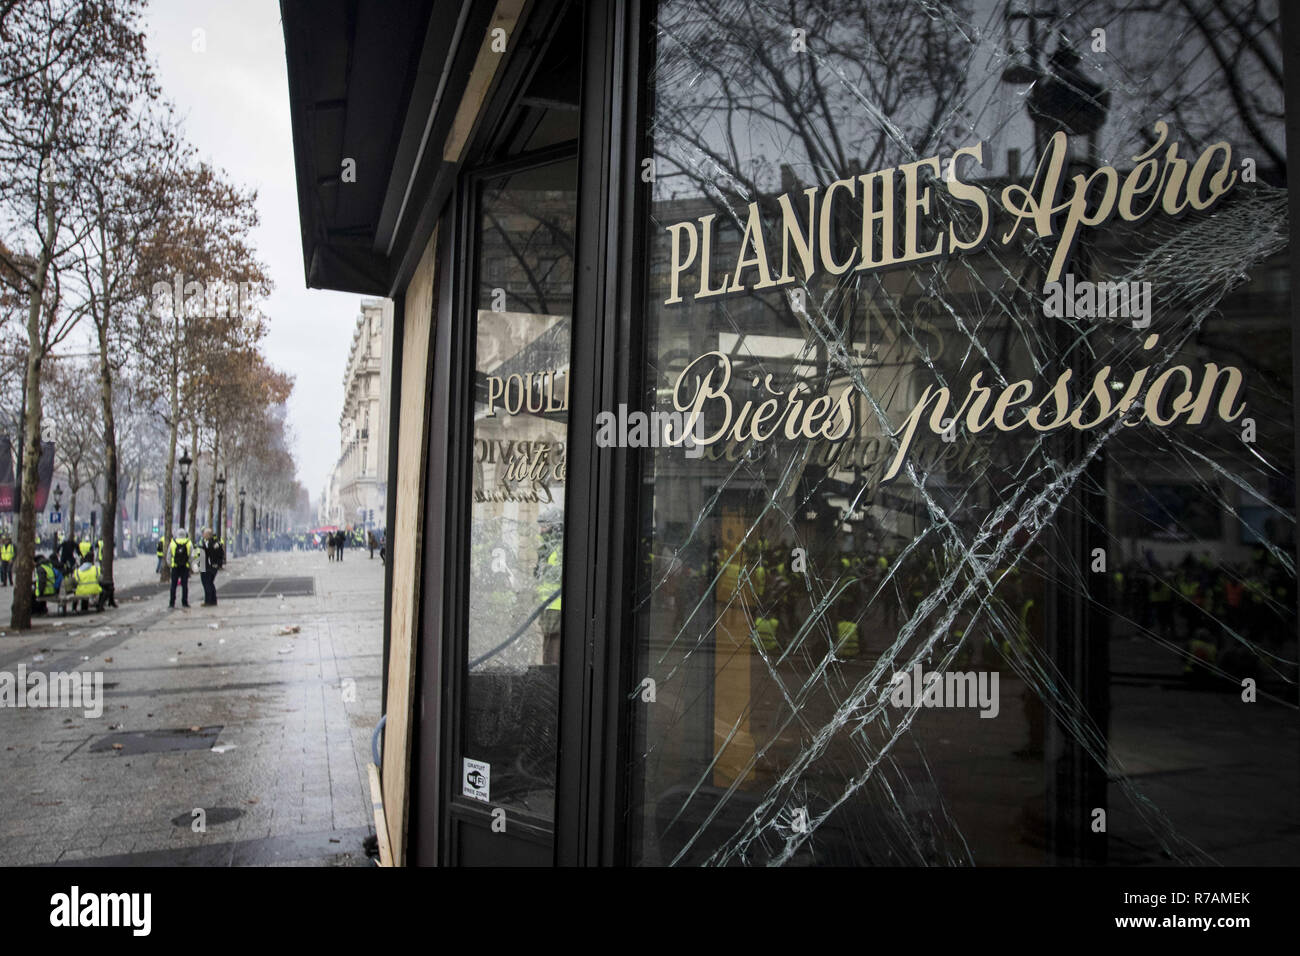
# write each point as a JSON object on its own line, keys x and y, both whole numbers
{"x": 982, "y": 548}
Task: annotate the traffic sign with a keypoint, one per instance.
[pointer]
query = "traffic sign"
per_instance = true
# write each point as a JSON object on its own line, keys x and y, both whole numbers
{"x": 56, "y": 517}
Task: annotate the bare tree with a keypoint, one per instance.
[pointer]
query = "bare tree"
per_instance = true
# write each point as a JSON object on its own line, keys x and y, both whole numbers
{"x": 63, "y": 74}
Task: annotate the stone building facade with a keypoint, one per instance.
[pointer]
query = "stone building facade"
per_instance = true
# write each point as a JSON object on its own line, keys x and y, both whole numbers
{"x": 355, "y": 493}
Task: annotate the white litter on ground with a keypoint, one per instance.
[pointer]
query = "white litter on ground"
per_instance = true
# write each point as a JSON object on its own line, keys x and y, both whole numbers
{"x": 222, "y": 748}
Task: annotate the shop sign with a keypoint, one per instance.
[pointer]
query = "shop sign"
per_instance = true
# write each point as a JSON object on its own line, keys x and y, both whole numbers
{"x": 1055, "y": 205}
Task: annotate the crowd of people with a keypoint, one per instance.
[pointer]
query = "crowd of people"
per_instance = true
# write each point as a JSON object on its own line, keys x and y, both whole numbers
{"x": 333, "y": 542}
{"x": 336, "y": 542}
{"x": 70, "y": 568}
{"x": 73, "y": 567}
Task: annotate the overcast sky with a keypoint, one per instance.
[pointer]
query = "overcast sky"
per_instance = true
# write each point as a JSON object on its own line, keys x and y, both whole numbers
{"x": 235, "y": 100}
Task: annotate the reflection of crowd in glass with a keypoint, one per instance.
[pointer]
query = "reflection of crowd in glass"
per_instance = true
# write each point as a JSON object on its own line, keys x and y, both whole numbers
{"x": 1202, "y": 605}
{"x": 1195, "y": 603}
{"x": 766, "y": 580}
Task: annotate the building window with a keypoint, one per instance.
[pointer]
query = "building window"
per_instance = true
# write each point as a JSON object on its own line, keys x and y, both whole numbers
{"x": 1090, "y": 597}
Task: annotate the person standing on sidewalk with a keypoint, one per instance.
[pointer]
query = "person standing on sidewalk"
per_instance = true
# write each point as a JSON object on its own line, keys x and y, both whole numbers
{"x": 68, "y": 555}
{"x": 179, "y": 558}
{"x": 6, "y": 561}
{"x": 214, "y": 557}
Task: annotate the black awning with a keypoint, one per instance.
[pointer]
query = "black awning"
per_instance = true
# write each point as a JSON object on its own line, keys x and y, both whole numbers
{"x": 364, "y": 78}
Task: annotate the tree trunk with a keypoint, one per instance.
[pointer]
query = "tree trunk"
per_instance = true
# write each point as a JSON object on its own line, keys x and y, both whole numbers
{"x": 136, "y": 517}
{"x": 234, "y": 509}
{"x": 194, "y": 484}
{"x": 212, "y": 492}
{"x": 25, "y": 546}
{"x": 108, "y": 529}
{"x": 168, "y": 501}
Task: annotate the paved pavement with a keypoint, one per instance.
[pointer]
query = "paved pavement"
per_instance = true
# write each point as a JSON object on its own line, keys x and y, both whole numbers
{"x": 277, "y": 764}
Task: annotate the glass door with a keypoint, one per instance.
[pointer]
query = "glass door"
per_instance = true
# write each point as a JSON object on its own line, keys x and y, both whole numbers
{"x": 504, "y": 770}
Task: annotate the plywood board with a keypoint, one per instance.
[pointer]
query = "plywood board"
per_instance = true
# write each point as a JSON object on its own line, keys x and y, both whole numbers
{"x": 381, "y": 825}
{"x": 505, "y": 18}
{"x": 407, "y": 547}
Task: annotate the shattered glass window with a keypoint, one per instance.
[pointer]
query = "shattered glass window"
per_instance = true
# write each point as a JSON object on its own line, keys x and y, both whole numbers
{"x": 974, "y": 539}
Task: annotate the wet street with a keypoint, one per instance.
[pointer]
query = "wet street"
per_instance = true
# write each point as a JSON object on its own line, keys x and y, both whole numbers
{"x": 227, "y": 737}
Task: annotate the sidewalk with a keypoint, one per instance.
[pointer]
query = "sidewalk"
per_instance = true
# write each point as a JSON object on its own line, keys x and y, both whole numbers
{"x": 278, "y": 764}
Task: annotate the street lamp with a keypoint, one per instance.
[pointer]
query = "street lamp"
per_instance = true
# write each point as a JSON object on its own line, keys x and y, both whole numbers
{"x": 185, "y": 463}
{"x": 221, "y": 506}
{"x": 1061, "y": 97}
{"x": 242, "y": 495}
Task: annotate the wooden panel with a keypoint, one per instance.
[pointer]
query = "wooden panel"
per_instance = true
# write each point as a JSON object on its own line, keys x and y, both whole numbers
{"x": 381, "y": 824}
{"x": 504, "y": 17}
{"x": 407, "y": 546}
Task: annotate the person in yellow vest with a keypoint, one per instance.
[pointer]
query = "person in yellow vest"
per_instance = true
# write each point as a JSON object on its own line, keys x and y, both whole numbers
{"x": 548, "y": 586}
{"x": 179, "y": 558}
{"x": 162, "y": 547}
{"x": 846, "y": 628}
{"x": 45, "y": 584}
{"x": 83, "y": 548}
{"x": 87, "y": 581}
{"x": 846, "y": 638}
{"x": 766, "y": 629}
{"x": 729, "y": 574}
{"x": 758, "y": 579}
{"x": 6, "y": 561}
